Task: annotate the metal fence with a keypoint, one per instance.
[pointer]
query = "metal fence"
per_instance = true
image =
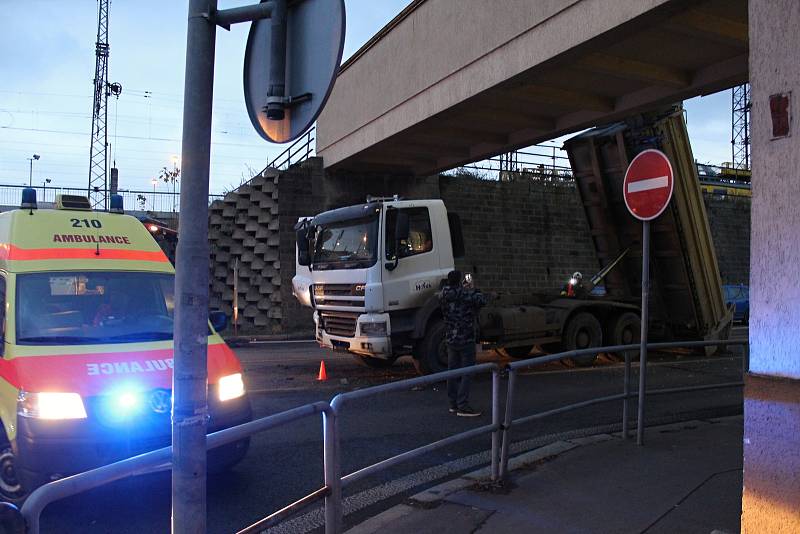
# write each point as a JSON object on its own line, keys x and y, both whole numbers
{"x": 154, "y": 201}
{"x": 331, "y": 492}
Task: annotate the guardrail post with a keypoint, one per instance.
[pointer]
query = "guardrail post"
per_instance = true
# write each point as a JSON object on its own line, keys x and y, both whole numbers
{"x": 333, "y": 472}
{"x": 496, "y": 423}
{"x": 626, "y": 389}
{"x": 512, "y": 378}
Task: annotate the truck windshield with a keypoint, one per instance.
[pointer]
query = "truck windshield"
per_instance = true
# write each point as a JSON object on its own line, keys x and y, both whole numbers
{"x": 346, "y": 244}
{"x": 72, "y": 308}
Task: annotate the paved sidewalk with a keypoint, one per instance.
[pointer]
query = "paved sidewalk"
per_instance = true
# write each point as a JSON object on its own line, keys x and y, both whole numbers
{"x": 687, "y": 479}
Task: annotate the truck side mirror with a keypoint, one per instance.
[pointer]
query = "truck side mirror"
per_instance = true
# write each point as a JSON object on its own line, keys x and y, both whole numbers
{"x": 303, "y": 252}
{"x": 218, "y": 320}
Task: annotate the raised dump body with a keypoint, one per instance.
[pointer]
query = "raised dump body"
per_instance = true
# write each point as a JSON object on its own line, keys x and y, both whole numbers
{"x": 686, "y": 295}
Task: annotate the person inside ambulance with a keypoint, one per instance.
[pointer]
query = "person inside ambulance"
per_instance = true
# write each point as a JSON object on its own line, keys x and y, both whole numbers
{"x": 113, "y": 310}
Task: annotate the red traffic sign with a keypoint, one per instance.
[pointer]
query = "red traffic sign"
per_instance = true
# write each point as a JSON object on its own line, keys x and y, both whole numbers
{"x": 648, "y": 184}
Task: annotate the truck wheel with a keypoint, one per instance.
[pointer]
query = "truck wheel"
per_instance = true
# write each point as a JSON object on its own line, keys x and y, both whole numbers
{"x": 626, "y": 330}
{"x": 516, "y": 352}
{"x": 375, "y": 363}
{"x": 430, "y": 355}
{"x": 10, "y": 488}
{"x": 582, "y": 332}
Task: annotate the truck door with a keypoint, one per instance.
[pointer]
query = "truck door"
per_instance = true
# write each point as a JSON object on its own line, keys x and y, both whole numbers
{"x": 411, "y": 271}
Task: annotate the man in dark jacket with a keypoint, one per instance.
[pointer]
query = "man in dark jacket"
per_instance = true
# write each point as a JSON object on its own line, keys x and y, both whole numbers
{"x": 460, "y": 303}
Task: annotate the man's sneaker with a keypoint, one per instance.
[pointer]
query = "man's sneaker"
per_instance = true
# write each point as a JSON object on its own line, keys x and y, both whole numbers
{"x": 466, "y": 411}
{"x": 453, "y": 409}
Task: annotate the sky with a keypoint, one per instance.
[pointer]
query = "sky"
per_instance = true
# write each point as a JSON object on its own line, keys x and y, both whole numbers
{"x": 47, "y": 60}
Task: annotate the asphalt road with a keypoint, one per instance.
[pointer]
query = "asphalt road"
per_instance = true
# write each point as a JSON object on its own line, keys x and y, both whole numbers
{"x": 286, "y": 464}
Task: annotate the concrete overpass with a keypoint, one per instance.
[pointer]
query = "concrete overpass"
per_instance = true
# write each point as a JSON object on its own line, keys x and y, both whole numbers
{"x": 452, "y": 81}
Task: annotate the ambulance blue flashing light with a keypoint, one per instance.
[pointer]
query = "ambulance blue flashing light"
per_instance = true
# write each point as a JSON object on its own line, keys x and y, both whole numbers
{"x": 28, "y": 198}
{"x": 116, "y": 204}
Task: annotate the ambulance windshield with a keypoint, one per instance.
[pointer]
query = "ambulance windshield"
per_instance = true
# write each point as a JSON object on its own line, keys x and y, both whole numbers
{"x": 94, "y": 307}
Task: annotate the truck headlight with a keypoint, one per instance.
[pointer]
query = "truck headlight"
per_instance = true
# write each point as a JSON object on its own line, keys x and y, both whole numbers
{"x": 51, "y": 405}
{"x": 373, "y": 329}
{"x": 231, "y": 387}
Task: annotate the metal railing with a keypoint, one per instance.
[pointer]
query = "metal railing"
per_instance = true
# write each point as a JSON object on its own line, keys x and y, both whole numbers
{"x": 299, "y": 151}
{"x": 331, "y": 492}
{"x": 152, "y": 201}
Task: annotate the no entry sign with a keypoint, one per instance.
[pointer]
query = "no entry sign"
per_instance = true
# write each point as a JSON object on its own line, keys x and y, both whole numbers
{"x": 648, "y": 184}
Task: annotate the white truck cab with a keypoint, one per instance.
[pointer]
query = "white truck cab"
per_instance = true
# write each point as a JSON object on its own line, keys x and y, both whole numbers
{"x": 369, "y": 269}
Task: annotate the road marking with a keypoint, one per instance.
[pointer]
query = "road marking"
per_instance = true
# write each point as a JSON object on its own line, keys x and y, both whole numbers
{"x": 649, "y": 184}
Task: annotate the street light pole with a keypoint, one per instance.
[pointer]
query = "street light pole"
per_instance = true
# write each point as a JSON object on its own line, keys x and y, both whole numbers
{"x": 30, "y": 174}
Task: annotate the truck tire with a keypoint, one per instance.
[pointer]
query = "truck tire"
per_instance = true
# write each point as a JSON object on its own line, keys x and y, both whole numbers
{"x": 375, "y": 363}
{"x": 430, "y": 355}
{"x": 582, "y": 332}
{"x": 518, "y": 353}
{"x": 625, "y": 330}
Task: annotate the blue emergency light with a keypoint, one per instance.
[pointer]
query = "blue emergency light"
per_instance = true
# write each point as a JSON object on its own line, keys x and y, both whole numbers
{"x": 116, "y": 204}
{"x": 28, "y": 198}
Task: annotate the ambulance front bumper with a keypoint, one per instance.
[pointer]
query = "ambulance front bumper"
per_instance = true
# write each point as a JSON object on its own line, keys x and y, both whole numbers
{"x": 46, "y": 450}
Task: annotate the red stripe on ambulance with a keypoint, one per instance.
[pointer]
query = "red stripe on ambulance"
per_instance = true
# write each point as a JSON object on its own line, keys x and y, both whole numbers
{"x": 95, "y": 374}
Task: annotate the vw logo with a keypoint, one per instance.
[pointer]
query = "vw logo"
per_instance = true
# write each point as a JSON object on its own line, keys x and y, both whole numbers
{"x": 161, "y": 401}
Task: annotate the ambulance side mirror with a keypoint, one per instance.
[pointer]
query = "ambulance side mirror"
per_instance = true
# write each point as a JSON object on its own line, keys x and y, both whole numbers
{"x": 218, "y": 320}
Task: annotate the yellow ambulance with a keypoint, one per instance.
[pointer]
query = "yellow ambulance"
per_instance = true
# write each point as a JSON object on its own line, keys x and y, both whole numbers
{"x": 87, "y": 358}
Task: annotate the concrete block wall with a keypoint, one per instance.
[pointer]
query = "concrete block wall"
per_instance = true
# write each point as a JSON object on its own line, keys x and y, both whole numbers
{"x": 522, "y": 237}
{"x": 244, "y": 227}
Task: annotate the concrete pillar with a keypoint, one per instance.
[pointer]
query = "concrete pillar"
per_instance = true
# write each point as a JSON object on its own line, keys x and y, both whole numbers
{"x": 771, "y": 495}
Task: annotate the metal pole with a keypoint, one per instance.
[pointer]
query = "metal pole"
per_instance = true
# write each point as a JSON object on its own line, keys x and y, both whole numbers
{"x": 645, "y": 320}
{"x": 277, "y": 71}
{"x": 30, "y": 174}
{"x": 333, "y": 473}
{"x": 512, "y": 378}
{"x": 627, "y": 390}
{"x": 496, "y": 422}
{"x": 189, "y": 383}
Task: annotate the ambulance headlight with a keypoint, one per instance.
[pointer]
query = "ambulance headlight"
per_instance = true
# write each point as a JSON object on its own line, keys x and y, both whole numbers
{"x": 230, "y": 387}
{"x": 51, "y": 405}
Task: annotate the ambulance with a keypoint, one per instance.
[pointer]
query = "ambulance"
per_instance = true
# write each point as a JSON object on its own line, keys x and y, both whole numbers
{"x": 87, "y": 354}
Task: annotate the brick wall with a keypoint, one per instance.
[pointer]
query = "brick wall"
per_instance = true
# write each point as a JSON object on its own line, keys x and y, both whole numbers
{"x": 521, "y": 237}
{"x": 729, "y": 217}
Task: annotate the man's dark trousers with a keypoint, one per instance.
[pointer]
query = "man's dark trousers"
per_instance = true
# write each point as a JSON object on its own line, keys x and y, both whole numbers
{"x": 458, "y": 388}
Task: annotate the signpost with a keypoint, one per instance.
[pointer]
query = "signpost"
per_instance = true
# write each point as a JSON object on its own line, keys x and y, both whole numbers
{"x": 283, "y": 96}
{"x": 647, "y": 190}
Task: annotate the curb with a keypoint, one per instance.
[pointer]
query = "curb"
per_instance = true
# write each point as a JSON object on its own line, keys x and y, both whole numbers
{"x": 239, "y": 341}
{"x": 434, "y": 496}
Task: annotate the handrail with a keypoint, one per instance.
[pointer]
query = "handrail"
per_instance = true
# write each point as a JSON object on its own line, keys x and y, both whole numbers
{"x": 334, "y": 480}
{"x": 626, "y": 394}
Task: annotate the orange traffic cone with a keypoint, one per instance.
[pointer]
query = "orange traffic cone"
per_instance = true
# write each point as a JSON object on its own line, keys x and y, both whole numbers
{"x": 323, "y": 375}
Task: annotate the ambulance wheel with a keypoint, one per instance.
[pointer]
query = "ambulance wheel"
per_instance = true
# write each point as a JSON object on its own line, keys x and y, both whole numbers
{"x": 10, "y": 488}
{"x": 375, "y": 363}
{"x": 430, "y": 355}
{"x": 516, "y": 352}
{"x": 224, "y": 458}
{"x": 583, "y": 331}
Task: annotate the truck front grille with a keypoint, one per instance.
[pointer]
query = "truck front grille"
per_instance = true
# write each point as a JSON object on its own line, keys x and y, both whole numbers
{"x": 338, "y": 295}
{"x": 339, "y": 323}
